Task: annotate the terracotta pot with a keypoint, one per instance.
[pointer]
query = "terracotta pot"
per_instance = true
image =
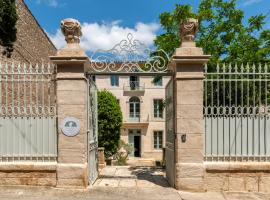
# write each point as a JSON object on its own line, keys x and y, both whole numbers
{"x": 108, "y": 162}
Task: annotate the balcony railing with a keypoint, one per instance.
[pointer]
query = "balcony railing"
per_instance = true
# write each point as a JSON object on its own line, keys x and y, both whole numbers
{"x": 137, "y": 118}
{"x": 134, "y": 86}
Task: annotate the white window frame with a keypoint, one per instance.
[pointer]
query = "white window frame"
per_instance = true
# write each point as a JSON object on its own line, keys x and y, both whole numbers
{"x": 157, "y": 144}
{"x": 159, "y": 115}
{"x": 113, "y": 81}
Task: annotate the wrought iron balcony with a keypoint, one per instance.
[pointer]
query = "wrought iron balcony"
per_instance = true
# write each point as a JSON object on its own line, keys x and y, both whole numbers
{"x": 136, "y": 118}
{"x": 134, "y": 86}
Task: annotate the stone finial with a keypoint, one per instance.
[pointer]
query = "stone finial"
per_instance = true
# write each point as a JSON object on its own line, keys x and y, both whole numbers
{"x": 71, "y": 29}
{"x": 188, "y": 30}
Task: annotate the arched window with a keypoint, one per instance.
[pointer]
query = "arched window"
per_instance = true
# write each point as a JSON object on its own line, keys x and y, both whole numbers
{"x": 134, "y": 108}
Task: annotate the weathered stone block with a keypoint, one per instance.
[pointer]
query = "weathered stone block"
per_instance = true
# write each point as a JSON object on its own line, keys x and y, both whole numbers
{"x": 78, "y": 111}
{"x": 66, "y": 97}
{"x": 195, "y": 184}
{"x": 190, "y": 126}
{"x": 79, "y": 141}
{"x": 28, "y": 181}
{"x": 252, "y": 183}
{"x": 192, "y": 141}
{"x": 72, "y": 171}
{"x": 27, "y": 174}
{"x": 190, "y": 98}
{"x": 74, "y": 85}
{"x": 264, "y": 184}
{"x": 189, "y": 85}
{"x": 187, "y": 170}
{"x": 80, "y": 183}
{"x": 189, "y": 111}
{"x": 236, "y": 183}
{"x": 190, "y": 155}
{"x": 216, "y": 181}
{"x": 72, "y": 155}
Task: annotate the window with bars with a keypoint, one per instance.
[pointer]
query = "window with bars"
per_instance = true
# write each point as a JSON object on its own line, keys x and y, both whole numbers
{"x": 158, "y": 108}
{"x": 158, "y": 139}
{"x": 114, "y": 80}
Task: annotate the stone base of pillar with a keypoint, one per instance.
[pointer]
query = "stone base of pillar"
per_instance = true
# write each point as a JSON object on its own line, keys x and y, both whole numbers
{"x": 72, "y": 175}
{"x": 190, "y": 177}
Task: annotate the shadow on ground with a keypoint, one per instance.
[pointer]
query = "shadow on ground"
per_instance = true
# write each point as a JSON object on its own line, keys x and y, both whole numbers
{"x": 154, "y": 175}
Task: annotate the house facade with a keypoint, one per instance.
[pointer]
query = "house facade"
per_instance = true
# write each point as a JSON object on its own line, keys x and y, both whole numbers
{"x": 141, "y": 98}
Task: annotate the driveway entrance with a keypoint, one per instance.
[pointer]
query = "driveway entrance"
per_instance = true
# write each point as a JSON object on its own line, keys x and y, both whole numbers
{"x": 126, "y": 176}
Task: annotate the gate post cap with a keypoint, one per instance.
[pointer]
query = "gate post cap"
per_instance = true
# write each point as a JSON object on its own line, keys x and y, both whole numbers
{"x": 71, "y": 29}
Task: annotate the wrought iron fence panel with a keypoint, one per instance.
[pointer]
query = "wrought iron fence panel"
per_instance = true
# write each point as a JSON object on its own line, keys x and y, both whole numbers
{"x": 27, "y": 113}
{"x": 236, "y": 113}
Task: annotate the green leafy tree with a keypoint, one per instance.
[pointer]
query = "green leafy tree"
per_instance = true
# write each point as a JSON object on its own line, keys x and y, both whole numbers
{"x": 8, "y": 19}
{"x": 222, "y": 32}
{"x": 109, "y": 122}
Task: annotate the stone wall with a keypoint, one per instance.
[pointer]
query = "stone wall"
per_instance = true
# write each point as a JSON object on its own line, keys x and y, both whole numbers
{"x": 38, "y": 174}
{"x": 32, "y": 45}
{"x": 243, "y": 177}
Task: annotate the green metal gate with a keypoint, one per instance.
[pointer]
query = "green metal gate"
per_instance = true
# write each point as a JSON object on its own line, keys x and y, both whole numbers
{"x": 92, "y": 132}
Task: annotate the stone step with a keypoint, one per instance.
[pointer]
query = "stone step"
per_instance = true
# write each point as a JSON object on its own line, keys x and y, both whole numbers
{"x": 141, "y": 162}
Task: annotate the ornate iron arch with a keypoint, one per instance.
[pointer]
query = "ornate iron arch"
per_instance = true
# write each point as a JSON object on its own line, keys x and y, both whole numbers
{"x": 130, "y": 56}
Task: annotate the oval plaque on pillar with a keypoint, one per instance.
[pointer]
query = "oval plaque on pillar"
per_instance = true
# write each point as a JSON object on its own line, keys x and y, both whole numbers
{"x": 70, "y": 126}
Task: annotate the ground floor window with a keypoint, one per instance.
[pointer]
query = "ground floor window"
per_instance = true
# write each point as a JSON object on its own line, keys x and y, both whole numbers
{"x": 158, "y": 139}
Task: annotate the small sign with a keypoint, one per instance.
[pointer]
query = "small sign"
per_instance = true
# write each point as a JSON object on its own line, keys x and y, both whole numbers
{"x": 70, "y": 126}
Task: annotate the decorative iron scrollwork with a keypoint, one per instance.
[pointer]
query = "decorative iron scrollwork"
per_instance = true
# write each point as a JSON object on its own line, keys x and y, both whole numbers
{"x": 129, "y": 55}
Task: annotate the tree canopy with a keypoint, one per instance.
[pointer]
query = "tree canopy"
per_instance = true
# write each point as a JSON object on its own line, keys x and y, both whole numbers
{"x": 222, "y": 32}
{"x": 8, "y": 19}
{"x": 109, "y": 122}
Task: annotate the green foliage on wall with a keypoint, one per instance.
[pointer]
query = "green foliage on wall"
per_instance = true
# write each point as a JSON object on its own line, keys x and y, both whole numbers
{"x": 8, "y": 19}
{"x": 109, "y": 122}
{"x": 222, "y": 32}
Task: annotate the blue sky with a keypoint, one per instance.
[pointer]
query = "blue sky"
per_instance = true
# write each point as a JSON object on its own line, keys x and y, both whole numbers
{"x": 105, "y": 22}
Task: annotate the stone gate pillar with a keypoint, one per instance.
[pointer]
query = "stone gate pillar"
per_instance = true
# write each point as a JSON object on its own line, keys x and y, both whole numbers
{"x": 187, "y": 64}
{"x": 71, "y": 108}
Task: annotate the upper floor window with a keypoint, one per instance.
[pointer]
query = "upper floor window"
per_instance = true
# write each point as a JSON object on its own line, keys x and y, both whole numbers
{"x": 158, "y": 108}
{"x": 134, "y": 108}
{"x": 158, "y": 139}
{"x": 158, "y": 81}
{"x": 114, "y": 80}
{"x": 134, "y": 82}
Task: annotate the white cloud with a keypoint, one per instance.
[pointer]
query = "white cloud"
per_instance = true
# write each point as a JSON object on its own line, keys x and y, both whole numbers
{"x": 52, "y": 3}
{"x": 105, "y": 35}
{"x": 250, "y": 2}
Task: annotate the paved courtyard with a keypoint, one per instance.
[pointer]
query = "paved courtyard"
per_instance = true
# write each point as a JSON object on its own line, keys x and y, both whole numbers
{"x": 121, "y": 183}
{"x": 125, "y": 176}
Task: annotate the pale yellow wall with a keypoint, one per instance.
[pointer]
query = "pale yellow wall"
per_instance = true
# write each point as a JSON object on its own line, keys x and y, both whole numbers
{"x": 150, "y": 93}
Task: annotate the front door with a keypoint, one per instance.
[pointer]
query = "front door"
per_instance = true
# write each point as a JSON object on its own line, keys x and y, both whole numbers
{"x": 134, "y": 139}
{"x": 137, "y": 145}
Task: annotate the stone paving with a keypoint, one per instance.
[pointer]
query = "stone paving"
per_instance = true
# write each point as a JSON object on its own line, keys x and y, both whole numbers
{"x": 125, "y": 176}
{"x": 121, "y": 183}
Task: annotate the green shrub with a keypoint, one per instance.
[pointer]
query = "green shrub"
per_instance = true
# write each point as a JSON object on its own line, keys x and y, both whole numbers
{"x": 109, "y": 122}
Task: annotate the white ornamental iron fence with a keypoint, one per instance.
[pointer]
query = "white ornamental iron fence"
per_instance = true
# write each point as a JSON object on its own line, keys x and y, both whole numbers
{"x": 236, "y": 112}
{"x": 27, "y": 113}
